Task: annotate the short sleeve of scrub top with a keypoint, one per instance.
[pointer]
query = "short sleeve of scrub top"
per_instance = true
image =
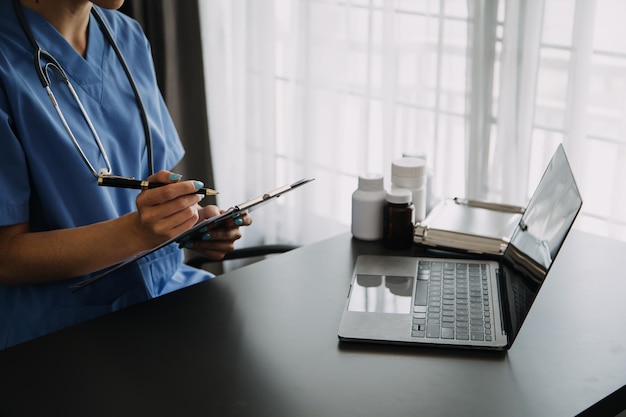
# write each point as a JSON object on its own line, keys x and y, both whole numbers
{"x": 46, "y": 183}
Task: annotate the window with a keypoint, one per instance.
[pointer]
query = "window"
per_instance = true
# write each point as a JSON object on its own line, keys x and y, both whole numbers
{"x": 332, "y": 88}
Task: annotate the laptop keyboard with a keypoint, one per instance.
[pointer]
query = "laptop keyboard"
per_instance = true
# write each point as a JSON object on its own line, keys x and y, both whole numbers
{"x": 452, "y": 302}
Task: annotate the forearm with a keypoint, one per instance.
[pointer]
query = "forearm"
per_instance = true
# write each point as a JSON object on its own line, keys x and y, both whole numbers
{"x": 31, "y": 258}
{"x": 162, "y": 213}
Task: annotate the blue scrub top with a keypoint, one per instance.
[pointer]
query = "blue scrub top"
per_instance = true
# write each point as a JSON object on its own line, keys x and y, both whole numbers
{"x": 45, "y": 182}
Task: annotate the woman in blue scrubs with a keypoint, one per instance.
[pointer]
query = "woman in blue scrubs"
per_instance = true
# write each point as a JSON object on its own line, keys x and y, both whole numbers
{"x": 57, "y": 226}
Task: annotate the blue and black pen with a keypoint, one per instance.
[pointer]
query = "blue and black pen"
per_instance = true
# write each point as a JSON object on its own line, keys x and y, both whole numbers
{"x": 122, "y": 182}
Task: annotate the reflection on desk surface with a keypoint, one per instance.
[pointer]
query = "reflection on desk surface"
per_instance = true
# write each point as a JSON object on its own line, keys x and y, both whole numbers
{"x": 382, "y": 294}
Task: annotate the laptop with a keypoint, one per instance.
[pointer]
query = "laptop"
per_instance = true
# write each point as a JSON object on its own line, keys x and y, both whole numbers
{"x": 469, "y": 301}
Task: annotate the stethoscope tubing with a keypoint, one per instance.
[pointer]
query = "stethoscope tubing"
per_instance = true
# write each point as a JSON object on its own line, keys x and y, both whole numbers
{"x": 42, "y": 73}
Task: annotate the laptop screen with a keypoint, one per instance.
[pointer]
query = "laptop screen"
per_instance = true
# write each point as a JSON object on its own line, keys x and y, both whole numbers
{"x": 539, "y": 236}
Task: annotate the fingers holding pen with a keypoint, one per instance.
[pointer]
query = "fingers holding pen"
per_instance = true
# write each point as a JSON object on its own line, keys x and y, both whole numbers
{"x": 172, "y": 208}
{"x": 174, "y": 187}
{"x": 167, "y": 211}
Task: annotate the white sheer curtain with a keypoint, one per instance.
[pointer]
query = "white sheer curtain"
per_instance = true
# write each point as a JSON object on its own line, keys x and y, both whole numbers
{"x": 485, "y": 89}
{"x": 561, "y": 77}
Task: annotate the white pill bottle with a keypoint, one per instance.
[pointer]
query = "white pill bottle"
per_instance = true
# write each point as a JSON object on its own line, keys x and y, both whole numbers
{"x": 411, "y": 173}
{"x": 368, "y": 201}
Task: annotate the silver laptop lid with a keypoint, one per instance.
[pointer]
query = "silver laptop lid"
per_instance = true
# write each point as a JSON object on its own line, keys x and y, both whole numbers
{"x": 538, "y": 238}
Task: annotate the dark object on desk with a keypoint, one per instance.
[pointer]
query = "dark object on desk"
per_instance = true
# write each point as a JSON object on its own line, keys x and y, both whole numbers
{"x": 398, "y": 214}
{"x": 198, "y": 261}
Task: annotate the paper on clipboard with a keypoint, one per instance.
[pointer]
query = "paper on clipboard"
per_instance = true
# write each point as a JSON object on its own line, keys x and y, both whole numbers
{"x": 202, "y": 227}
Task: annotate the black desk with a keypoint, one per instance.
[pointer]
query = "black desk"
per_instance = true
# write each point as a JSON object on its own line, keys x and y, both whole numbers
{"x": 262, "y": 340}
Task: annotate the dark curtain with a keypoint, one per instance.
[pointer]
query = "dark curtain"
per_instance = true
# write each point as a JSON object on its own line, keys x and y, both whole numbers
{"x": 173, "y": 29}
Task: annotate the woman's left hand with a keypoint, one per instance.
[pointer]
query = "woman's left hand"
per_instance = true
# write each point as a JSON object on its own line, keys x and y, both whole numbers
{"x": 216, "y": 243}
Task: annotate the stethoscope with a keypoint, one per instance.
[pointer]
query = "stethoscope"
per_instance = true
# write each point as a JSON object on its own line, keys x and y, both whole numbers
{"x": 44, "y": 78}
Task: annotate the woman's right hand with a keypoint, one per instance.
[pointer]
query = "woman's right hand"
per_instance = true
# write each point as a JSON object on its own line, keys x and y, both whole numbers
{"x": 167, "y": 211}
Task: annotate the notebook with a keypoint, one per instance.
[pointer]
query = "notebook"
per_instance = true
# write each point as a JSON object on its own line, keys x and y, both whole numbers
{"x": 472, "y": 301}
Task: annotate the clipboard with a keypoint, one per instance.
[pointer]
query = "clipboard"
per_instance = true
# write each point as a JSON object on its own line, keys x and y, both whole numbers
{"x": 201, "y": 227}
{"x": 469, "y": 226}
